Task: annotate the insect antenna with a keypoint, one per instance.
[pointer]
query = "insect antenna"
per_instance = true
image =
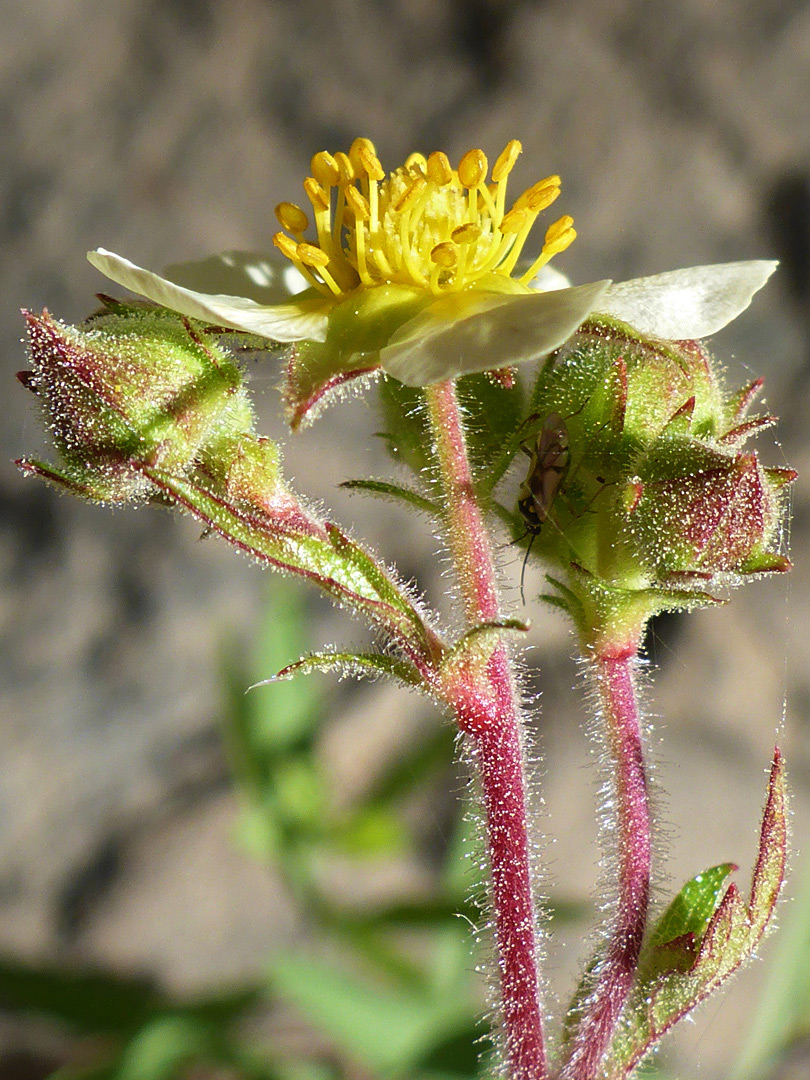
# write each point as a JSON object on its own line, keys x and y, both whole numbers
{"x": 534, "y": 536}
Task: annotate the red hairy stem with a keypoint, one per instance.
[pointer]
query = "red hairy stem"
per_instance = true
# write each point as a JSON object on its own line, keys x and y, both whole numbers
{"x": 486, "y": 707}
{"x": 615, "y": 673}
{"x": 466, "y": 532}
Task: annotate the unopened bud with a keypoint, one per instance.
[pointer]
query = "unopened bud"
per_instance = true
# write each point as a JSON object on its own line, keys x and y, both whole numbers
{"x": 134, "y": 386}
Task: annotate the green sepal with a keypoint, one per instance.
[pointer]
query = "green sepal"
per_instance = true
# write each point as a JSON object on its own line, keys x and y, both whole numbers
{"x": 405, "y": 426}
{"x": 676, "y": 975}
{"x": 67, "y": 479}
{"x": 358, "y": 664}
{"x": 492, "y": 412}
{"x": 766, "y": 562}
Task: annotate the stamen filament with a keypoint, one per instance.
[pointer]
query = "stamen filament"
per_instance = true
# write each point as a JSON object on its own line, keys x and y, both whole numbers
{"x": 508, "y": 264}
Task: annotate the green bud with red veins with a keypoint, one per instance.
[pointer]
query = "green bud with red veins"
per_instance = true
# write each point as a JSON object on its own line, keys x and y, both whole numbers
{"x": 654, "y": 502}
{"x": 133, "y": 386}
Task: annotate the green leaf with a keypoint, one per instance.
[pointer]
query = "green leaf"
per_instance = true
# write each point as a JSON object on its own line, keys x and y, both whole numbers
{"x": 87, "y": 1001}
{"x": 371, "y": 833}
{"x": 432, "y": 752}
{"x": 95, "y": 1002}
{"x": 163, "y": 1047}
{"x": 678, "y": 974}
{"x": 692, "y": 909}
{"x": 276, "y": 720}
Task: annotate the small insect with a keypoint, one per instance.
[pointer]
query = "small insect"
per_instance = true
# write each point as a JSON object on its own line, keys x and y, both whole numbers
{"x": 549, "y": 461}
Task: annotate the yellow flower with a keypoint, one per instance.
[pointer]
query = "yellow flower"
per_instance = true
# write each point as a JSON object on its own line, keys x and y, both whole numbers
{"x": 418, "y": 273}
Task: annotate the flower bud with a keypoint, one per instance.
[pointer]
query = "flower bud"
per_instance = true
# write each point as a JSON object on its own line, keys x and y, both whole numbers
{"x": 132, "y": 386}
{"x": 716, "y": 521}
{"x": 637, "y": 484}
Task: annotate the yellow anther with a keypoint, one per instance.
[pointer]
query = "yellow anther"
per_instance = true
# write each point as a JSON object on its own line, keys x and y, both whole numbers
{"x": 291, "y": 217}
{"x": 357, "y": 204}
{"x": 444, "y": 255}
{"x": 316, "y": 195}
{"x": 286, "y": 245}
{"x": 559, "y": 243}
{"x": 310, "y": 255}
{"x": 410, "y": 196}
{"x": 416, "y": 161}
{"x": 539, "y": 195}
{"x": 439, "y": 169}
{"x": 472, "y": 169}
{"x": 506, "y": 160}
{"x": 324, "y": 169}
{"x": 356, "y": 150}
{"x": 345, "y": 167}
{"x": 466, "y": 234}
{"x": 560, "y": 228}
{"x": 514, "y": 221}
{"x": 371, "y": 164}
{"x": 293, "y": 252}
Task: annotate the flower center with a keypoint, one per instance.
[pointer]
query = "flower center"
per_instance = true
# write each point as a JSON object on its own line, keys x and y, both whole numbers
{"x": 425, "y": 225}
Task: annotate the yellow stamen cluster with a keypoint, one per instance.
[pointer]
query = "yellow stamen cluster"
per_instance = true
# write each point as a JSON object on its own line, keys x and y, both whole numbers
{"x": 425, "y": 225}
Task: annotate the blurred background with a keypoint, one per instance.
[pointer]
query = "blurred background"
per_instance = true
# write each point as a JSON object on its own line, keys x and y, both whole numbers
{"x": 169, "y": 129}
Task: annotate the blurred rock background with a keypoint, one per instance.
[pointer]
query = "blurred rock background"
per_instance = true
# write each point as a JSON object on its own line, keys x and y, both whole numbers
{"x": 168, "y": 129}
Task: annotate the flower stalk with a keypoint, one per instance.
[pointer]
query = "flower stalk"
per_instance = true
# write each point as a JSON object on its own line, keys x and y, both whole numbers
{"x": 615, "y": 672}
{"x": 487, "y": 711}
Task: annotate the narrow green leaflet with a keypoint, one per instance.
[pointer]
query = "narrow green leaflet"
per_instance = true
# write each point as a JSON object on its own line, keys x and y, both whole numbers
{"x": 713, "y": 936}
{"x": 324, "y": 555}
{"x": 385, "y": 490}
{"x": 373, "y": 664}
